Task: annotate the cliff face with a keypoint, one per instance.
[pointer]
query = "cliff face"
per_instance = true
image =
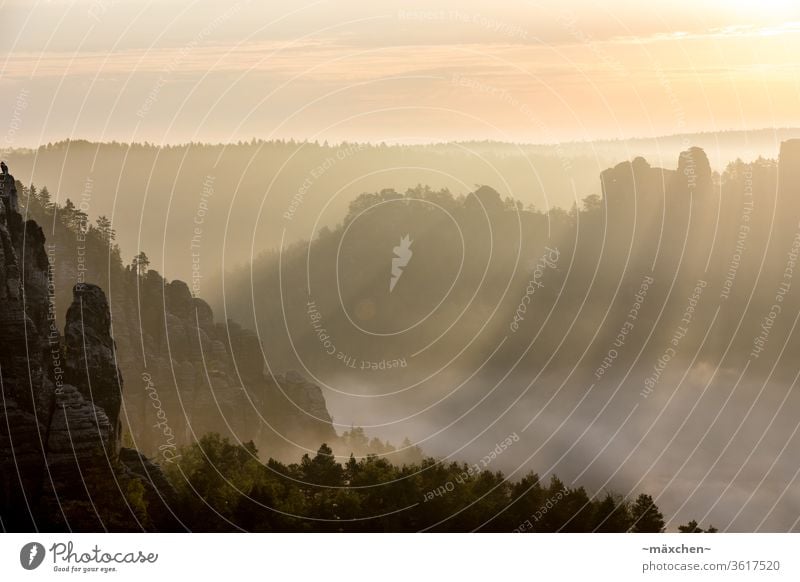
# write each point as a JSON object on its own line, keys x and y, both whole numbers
{"x": 59, "y": 412}
{"x": 64, "y": 414}
{"x": 189, "y": 376}
{"x": 185, "y": 375}
{"x": 27, "y": 388}
{"x": 90, "y": 359}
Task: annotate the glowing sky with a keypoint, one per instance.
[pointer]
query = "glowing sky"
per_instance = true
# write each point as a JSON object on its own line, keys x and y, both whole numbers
{"x": 388, "y": 70}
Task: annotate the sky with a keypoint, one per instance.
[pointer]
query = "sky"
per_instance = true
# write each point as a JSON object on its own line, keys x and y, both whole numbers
{"x": 172, "y": 71}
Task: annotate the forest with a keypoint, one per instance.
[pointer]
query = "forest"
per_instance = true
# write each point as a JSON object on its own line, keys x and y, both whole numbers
{"x": 212, "y": 484}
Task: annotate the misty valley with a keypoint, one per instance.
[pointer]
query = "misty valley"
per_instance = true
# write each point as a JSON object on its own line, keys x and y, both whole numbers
{"x": 362, "y": 350}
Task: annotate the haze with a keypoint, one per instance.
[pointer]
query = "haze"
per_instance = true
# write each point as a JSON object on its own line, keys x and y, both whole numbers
{"x": 395, "y": 71}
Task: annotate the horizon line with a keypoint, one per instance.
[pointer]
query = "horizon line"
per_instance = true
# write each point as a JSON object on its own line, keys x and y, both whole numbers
{"x": 369, "y": 143}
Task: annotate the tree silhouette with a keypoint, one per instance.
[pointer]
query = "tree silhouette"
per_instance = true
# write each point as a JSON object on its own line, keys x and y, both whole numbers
{"x": 140, "y": 263}
{"x": 612, "y": 515}
{"x": 692, "y": 527}
{"x": 646, "y": 516}
{"x": 323, "y": 468}
{"x": 107, "y": 233}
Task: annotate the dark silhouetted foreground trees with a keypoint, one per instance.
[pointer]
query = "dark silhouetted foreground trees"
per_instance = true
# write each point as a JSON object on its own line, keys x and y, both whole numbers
{"x": 222, "y": 486}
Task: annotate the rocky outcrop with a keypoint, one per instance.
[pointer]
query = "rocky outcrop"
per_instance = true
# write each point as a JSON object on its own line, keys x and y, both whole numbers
{"x": 59, "y": 411}
{"x": 186, "y": 375}
{"x": 307, "y": 396}
{"x": 27, "y": 390}
{"x": 8, "y": 191}
{"x": 199, "y": 376}
{"x": 694, "y": 172}
{"x": 637, "y": 182}
{"x": 79, "y": 441}
{"x": 90, "y": 353}
{"x": 633, "y": 183}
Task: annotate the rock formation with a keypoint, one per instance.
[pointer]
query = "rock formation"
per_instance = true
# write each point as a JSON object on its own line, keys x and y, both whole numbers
{"x": 90, "y": 355}
{"x": 64, "y": 414}
{"x": 694, "y": 172}
{"x": 185, "y": 375}
{"x": 199, "y": 377}
{"x": 59, "y": 412}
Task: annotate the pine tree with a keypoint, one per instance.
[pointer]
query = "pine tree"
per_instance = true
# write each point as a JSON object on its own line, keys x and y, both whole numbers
{"x": 140, "y": 263}
{"x": 646, "y": 516}
{"x": 106, "y": 232}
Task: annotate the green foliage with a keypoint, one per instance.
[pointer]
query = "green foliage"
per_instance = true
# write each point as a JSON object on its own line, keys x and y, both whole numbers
{"x": 357, "y": 442}
{"x": 223, "y": 486}
{"x": 69, "y": 230}
{"x": 646, "y": 516}
{"x": 107, "y": 501}
{"x": 612, "y": 515}
{"x": 214, "y": 476}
